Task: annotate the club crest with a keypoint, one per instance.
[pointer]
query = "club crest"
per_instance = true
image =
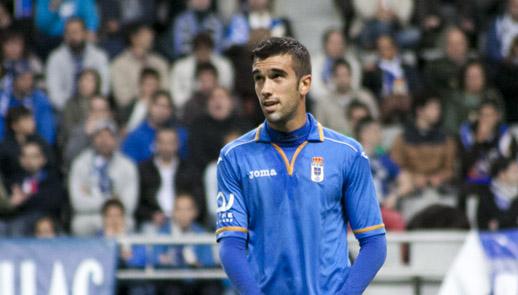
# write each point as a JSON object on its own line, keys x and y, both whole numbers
{"x": 317, "y": 169}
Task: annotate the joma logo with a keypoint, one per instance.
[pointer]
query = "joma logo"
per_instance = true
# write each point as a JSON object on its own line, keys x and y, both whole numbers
{"x": 261, "y": 173}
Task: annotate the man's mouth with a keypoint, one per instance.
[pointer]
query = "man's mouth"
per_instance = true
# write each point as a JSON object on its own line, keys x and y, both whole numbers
{"x": 270, "y": 106}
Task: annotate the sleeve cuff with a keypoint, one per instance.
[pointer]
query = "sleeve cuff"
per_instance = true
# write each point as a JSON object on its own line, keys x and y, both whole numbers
{"x": 231, "y": 231}
{"x": 369, "y": 231}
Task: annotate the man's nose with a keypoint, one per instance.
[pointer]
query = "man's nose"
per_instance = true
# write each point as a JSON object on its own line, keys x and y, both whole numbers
{"x": 266, "y": 91}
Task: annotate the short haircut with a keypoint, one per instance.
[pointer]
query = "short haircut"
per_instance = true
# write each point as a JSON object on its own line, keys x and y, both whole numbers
{"x": 286, "y": 45}
{"x": 33, "y": 142}
{"x": 490, "y": 103}
{"x": 465, "y": 69}
{"x": 205, "y": 67}
{"x": 166, "y": 129}
{"x": 202, "y": 39}
{"x": 159, "y": 94}
{"x": 149, "y": 73}
{"x": 185, "y": 194}
{"x": 76, "y": 19}
{"x": 112, "y": 203}
{"x": 362, "y": 124}
{"x": 340, "y": 62}
{"x": 327, "y": 34}
{"x": 356, "y": 104}
{"x": 500, "y": 165}
{"x": 135, "y": 28}
{"x": 424, "y": 99}
{"x": 17, "y": 113}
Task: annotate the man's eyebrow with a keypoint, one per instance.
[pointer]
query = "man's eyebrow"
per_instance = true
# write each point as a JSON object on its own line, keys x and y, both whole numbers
{"x": 278, "y": 71}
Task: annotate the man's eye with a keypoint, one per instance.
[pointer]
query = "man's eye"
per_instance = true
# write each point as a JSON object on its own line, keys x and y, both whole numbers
{"x": 275, "y": 76}
{"x": 258, "y": 78}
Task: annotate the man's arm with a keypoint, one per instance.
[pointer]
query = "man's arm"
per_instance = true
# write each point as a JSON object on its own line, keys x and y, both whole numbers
{"x": 232, "y": 252}
{"x": 373, "y": 250}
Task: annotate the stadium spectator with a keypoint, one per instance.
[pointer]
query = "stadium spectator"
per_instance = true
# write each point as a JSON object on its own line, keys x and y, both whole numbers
{"x": 507, "y": 81}
{"x": 98, "y": 174}
{"x": 442, "y": 74}
{"x": 45, "y": 228}
{"x": 66, "y": 63}
{"x": 463, "y": 103}
{"x": 133, "y": 114}
{"x": 52, "y": 16}
{"x": 14, "y": 54}
{"x": 384, "y": 172}
{"x": 126, "y": 68}
{"x": 206, "y": 82}
{"x": 183, "y": 223}
{"x": 25, "y": 94}
{"x": 36, "y": 192}
{"x": 375, "y": 18}
{"x": 255, "y": 15}
{"x": 184, "y": 70}
{"x": 160, "y": 178}
{"x": 498, "y": 206}
{"x": 431, "y": 16}
{"x": 424, "y": 153}
{"x": 21, "y": 128}
{"x": 196, "y": 19}
{"x": 79, "y": 135}
{"x": 206, "y": 134}
{"x": 126, "y": 12}
{"x": 483, "y": 141}
{"x": 76, "y": 108}
{"x": 335, "y": 48}
{"x": 392, "y": 81}
{"x": 502, "y": 32}
{"x": 355, "y": 112}
{"x": 330, "y": 109}
{"x": 138, "y": 145}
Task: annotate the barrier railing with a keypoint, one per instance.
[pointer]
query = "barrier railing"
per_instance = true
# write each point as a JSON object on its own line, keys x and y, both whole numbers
{"x": 415, "y": 245}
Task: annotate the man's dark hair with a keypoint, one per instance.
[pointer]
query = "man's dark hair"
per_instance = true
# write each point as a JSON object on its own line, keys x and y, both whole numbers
{"x": 33, "y": 141}
{"x": 327, "y": 34}
{"x": 286, "y": 45}
{"x": 424, "y": 99}
{"x": 17, "y": 113}
{"x": 96, "y": 75}
{"x": 149, "y": 72}
{"x": 490, "y": 103}
{"x": 161, "y": 93}
{"x": 362, "y": 124}
{"x": 356, "y": 104}
{"x": 202, "y": 39}
{"x": 205, "y": 66}
{"x": 340, "y": 62}
{"x": 75, "y": 19}
{"x": 134, "y": 28}
{"x": 500, "y": 165}
{"x": 113, "y": 203}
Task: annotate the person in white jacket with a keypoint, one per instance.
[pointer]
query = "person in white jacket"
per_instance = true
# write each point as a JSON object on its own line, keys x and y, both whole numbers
{"x": 98, "y": 174}
{"x": 67, "y": 61}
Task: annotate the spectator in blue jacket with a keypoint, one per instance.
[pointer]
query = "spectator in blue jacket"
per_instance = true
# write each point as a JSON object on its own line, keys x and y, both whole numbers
{"x": 25, "y": 94}
{"x": 139, "y": 144}
{"x": 185, "y": 212}
{"x": 196, "y": 19}
{"x": 502, "y": 32}
{"x": 51, "y": 15}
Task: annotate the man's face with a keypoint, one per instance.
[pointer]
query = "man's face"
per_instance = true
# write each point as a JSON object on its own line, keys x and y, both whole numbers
{"x": 371, "y": 135}
{"x": 513, "y": 9}
{"x": 105, "y": 142}
{"x": 220, "y": 105}
{"x": 456, "y": 45}
{"x": 202, "y": 53}
{"x": 184, "y": 212}
{"x": 342, "y": 79}
{"x": 166, "y": 144}
{"x": 143, "y": 38}
{"x": 148, "y": 86}
{"x": 258, "y": 5}
{"x": 24, "y": 83}
{"x": 160, "y": 111}
{"x": 207, "y": 81}
{"x": 488, "y": 117}
{"x": 114, "y": 220}
{"x": 200, "y": 5}
{"x": 99, "y": 109}
{"x": 75, "y": 35}
{"x": 280, "y": 94}
{"x": 45, "y": 229}
{"x": 386, "y": 48}
{"x": 13, "y": 48}
{"x": 335, "y": 46}
{"x": 24, "y": 126}
{"x": 32, "y": 159}
{"x": 87, "y": 84}
{"x": 474, "y": 79}
{"x": 431, "y": 112}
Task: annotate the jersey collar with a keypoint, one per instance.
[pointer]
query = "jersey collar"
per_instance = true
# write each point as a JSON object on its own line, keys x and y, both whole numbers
{"x": 316, "y": 134}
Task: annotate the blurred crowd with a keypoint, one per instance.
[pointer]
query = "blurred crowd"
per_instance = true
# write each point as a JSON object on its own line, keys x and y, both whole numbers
{"x": 113, "y": 112}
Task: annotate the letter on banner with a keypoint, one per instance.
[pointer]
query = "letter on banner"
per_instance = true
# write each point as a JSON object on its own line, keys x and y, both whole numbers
{"x": 58, "y": 285}
{"x": 28, "y": 277}
{"x": 87, "y": 268}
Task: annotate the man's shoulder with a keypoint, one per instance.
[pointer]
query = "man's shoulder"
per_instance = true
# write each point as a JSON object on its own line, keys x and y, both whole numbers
{"x": 241, "y": 142}
{"x": 348, "y": 144}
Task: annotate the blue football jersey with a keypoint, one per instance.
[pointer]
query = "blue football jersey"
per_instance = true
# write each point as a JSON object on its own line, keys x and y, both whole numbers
{"x": 294, "y": 213}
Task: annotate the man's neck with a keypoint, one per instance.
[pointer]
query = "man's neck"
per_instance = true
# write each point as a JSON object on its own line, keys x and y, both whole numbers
{"x": 291, "y": 125}
{"x": 138, "y": 52}
{"x": 165, "y": 161}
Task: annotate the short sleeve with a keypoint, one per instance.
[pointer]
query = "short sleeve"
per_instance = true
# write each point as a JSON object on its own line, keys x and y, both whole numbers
{"x": 232, "y": 216}
{"x": 360, "y": 199}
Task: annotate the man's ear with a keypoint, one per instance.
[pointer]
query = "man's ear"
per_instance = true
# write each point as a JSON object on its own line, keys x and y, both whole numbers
{"x": 305, "y": 84}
